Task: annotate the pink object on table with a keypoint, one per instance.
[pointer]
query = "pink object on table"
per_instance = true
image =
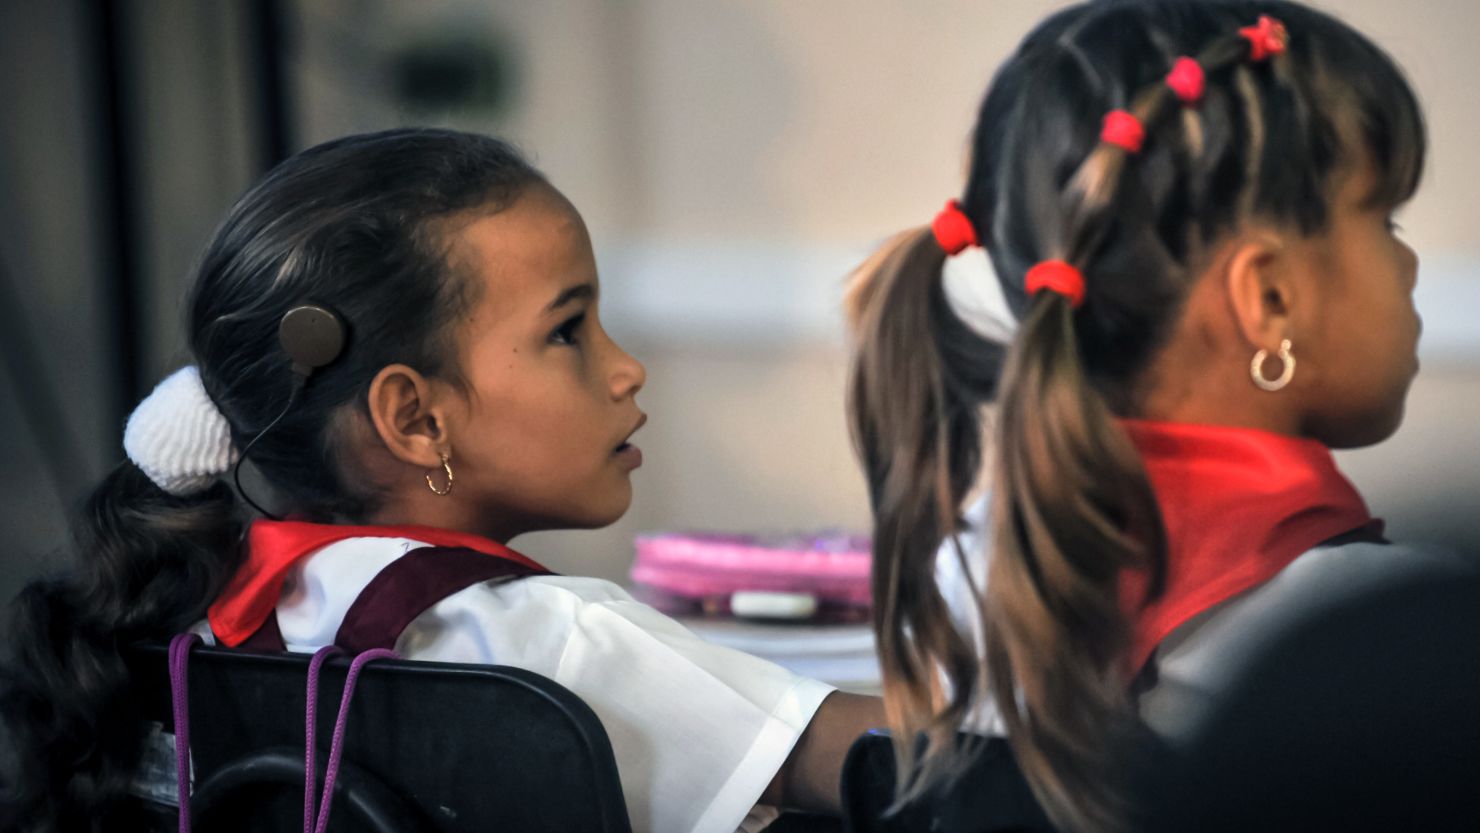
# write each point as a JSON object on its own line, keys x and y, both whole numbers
{"x": 698, "y": 573}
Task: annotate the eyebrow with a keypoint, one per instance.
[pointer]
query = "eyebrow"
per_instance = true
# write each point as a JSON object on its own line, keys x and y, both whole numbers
{"x": 578, "y": 292}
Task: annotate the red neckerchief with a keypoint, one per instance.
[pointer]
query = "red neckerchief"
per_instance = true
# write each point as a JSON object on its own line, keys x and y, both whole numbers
{"x": 1238, "y": 506}
{"x": 273, "y": 547}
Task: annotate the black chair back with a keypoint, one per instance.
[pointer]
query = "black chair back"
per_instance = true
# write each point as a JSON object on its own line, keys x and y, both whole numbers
{"x": 1364, "y": 716}
{"x": 428, "y": 746}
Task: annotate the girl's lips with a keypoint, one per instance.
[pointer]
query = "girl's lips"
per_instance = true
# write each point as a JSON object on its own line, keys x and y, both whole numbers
{"x": 628, "y": 455}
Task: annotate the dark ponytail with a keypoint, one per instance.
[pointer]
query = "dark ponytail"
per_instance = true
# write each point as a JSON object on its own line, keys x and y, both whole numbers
{"x": 363, "y": 225}
{"x": 72, "y": 725}
{"x": 1073, "y": 513}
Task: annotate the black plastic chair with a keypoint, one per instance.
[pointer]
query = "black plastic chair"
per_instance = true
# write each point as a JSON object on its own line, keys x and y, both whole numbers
{"x": 429, "y": 746}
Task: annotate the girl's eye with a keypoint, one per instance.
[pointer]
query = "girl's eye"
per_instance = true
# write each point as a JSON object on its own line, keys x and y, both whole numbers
{"x": 1393, "y": 227}
{"x": 566, "y": 332}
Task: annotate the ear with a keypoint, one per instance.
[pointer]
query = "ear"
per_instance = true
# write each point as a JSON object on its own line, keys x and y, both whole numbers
{"x": 407, "y": 416}
{"x": 1261, "y": 289}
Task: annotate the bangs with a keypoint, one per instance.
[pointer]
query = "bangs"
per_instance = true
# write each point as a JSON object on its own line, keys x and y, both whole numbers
{"x": 1395, "y": 135}
{"x": 1383, "y": 113}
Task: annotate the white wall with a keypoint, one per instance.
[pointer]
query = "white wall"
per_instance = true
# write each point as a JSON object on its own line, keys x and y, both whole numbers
{"x": 735, "y": 159}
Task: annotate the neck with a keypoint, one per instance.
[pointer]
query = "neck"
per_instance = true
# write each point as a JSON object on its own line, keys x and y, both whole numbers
{"x": 403, "y": 499}
{"x": 1211, "y": 403}
{"x": 1201, "y": 376}
{"x": 443, "y": 512}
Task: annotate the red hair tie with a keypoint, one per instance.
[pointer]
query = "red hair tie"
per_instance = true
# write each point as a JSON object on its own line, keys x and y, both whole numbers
{"x": 1123, "y": 130}
{"x": 1187, "y": 80}
{"x": 1057, "y": 276}
{"x": 953, "y": 229}
{"x": 1266, "y": 38}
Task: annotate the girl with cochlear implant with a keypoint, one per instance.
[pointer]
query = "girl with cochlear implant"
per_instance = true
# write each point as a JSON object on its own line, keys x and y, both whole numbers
{"x": 400, "y": 332}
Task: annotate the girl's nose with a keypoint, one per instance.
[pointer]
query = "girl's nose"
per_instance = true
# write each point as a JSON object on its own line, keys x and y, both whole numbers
{"x": 628, "y": 375}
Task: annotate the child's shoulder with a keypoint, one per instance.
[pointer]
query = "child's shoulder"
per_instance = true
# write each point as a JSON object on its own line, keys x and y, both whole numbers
{"x": 1339, "y": 569}
{"x": 553, "y": 598}
{"x": 1212, "y": 647}
{"x": 583, "y": 590}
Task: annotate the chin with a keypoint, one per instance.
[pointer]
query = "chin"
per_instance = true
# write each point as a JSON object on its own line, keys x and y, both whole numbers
{"x": 604, "y": 513}
{"x": 1360, "y": 433}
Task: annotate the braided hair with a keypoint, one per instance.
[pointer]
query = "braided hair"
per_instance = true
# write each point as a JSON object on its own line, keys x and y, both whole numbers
{"x": 1073, "y": 510}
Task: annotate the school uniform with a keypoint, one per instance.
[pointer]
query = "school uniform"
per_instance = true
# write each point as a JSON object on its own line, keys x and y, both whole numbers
{"x": 1336, "y": 695}
{"x": 1263, "y": 532}
{"x": 1267, "y": 544}
{"x": 698, "y": 730}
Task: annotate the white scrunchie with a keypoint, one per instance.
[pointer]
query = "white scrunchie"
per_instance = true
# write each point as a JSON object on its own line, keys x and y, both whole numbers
{"x": 178, "y": 437}
{"x": 975, "y": 295}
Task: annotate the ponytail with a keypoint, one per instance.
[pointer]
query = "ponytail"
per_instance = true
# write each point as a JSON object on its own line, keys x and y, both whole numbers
{"x": 1134, "y": 202}
{"x": 919, "y": 378}
{"x": 1072, "y": 510}
{"x": 147, "y": 565}
{"x": 1073, "y": 513}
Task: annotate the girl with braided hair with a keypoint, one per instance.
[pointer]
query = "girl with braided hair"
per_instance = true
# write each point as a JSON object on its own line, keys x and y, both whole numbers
{"x": 1174, "y": 275}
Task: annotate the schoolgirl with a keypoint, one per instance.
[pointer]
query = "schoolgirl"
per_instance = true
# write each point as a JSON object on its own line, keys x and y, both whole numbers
{"x": 1174, "y": 273}
{"x": 400, "y": 333}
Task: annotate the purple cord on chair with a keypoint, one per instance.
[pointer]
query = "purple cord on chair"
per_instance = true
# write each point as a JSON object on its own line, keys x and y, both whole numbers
{"x": 310, "y": 777}
{"x": 336, "y": 743}
{"x": 180, "y": 647}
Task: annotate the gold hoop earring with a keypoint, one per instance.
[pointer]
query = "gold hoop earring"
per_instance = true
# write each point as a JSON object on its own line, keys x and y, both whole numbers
{"x": 1287, "y": 368}
{"x": 446, "y": 467}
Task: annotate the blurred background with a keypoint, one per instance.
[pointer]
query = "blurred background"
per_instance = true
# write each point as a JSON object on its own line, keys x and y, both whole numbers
{"x": 733, "y": 159}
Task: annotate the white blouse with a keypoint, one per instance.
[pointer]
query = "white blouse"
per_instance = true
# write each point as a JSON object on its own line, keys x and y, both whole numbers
{"x": 698, "y": 730}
